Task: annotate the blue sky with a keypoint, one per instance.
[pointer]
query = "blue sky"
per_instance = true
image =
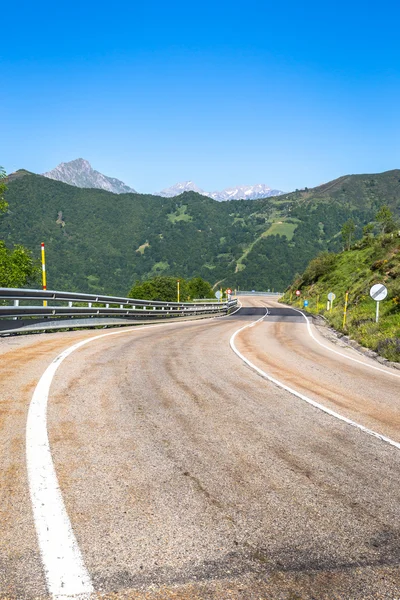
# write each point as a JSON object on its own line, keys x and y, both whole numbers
{"x": 223, "y": 93}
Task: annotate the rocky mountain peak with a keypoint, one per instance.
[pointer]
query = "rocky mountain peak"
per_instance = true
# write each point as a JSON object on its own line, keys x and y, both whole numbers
{"x": 80, "y": 173}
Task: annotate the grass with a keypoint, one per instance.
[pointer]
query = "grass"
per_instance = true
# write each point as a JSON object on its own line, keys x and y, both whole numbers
{"x": 281, "y": 228}
{"x": 179, "y": 215}
{"x": 275, "y": 228}
{"x": 355, "y": 271}
{"x": 143, "y": 247}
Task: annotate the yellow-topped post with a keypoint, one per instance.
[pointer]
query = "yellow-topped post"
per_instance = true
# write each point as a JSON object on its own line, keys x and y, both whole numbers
{"x": 346, "y": 301}
{"x": 178, "y": 290}
{"x": 44, "y": 285}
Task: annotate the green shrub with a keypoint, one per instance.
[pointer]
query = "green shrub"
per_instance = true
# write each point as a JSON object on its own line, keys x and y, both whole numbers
{"x": 318, "y": 267}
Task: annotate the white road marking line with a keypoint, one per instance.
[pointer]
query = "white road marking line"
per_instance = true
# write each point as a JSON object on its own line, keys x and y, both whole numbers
{"x": 386, "y": 371}
{"x": 64, "y": 568}
{"x": 330, "y": 412}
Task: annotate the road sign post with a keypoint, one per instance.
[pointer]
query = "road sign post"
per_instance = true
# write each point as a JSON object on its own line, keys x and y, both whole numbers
{"x": 378, "y": 292}
{"x": 178, "y": 290}
{"x": 331, "y": 298}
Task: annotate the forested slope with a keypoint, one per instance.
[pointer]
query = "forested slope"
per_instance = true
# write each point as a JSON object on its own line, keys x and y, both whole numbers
{"x": 99, "y": 241}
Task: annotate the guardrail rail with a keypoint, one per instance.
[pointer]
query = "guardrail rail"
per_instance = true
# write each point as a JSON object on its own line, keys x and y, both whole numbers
{"x": 254, "y": 293}
{"x": 24, "y": 310}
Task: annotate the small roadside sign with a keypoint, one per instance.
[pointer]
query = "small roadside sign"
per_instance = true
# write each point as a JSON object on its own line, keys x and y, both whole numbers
{"x": 298, "y": 292}
{"x": 331, "y": 297}
{"x": 378, "y": 292}
{"x": 218, "y": 295}
{"x": 229, "y": 291}
{"x": 305, "y": 303}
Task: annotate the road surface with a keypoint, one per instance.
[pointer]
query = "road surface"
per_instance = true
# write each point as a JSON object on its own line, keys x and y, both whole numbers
{"x": 185, "y": 474}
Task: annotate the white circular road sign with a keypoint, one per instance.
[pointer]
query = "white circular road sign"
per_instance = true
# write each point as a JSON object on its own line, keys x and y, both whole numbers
{"x": 378, "y": 292}
{"x": 218, "y": 295}
{"x": 331, "y": 296}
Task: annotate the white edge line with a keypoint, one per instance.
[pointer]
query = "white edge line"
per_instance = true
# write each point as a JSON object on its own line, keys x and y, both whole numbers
{"x": 64, "y": 568}
{"x": 340, "y": 353}
{"x": 302, "y": 396}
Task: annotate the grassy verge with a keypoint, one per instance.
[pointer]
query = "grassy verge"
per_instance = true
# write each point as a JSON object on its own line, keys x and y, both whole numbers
{"x": 370, "y": 261}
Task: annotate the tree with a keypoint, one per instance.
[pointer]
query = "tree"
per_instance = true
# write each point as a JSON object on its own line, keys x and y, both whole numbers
{"x": 368, "y": 230}
{"x": 384, "y": 217}
{"x": 3, "y": 187}
{"x": 198, "y": 288}
{"x": 162, "y": 287}
{"x": 347, "y": 232}
{"x": 17, "y": 266}
{"x": 165, "y": 288}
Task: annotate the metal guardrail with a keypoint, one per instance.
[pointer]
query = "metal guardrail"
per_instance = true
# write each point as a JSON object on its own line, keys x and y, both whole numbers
{"x": 103, "y": 309}
{"x": 254, "y": 293}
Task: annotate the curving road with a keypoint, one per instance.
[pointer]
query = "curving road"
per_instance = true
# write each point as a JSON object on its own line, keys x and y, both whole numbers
{"x": 186, "y": 474}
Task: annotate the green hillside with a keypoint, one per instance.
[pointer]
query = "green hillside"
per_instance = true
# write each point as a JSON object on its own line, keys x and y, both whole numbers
{"x": 99, "y": 241}
{"x": 371, "y": 260}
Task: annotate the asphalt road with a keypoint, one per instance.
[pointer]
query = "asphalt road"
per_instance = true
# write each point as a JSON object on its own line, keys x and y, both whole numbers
{"x": 187, "y": 475}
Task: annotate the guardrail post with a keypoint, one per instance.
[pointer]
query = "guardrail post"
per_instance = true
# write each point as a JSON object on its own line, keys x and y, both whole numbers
{"x": 16, "y": 303}
{"x": 89, "y": 304}
{"x": 70, "y": 304}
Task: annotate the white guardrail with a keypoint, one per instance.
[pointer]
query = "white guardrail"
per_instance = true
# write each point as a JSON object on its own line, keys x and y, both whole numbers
{"x": 254, "y": 293}
{"x": 23, "y": 310}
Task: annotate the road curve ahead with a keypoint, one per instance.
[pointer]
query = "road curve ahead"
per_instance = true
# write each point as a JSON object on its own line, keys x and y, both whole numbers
{"x": 185, "y": 474}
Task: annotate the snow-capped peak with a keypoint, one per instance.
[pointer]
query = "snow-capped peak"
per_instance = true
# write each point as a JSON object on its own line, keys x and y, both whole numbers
{"x": 242, "y": 192}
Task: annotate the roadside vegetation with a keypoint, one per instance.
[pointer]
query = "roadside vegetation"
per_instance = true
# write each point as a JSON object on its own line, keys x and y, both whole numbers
{"x": 17, "y": 267}
{"x": 373, "y": 259}
{"x": 165, "y": 289}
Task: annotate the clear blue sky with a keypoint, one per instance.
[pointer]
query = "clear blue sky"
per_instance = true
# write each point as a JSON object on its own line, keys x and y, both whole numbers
{"x": 290, "y": 94}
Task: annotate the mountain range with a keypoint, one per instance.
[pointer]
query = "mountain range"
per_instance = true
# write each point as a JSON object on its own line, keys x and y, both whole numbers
{"x": 240, "y": 192}
{"x": 102, "y": 243}
{"x": 80, "y": 173}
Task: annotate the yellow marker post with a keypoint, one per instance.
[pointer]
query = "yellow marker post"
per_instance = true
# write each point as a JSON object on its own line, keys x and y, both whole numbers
{"x": 318, "y": 303}
{"x": 346, "y": 300}
{"x": 178, "y": 290}
{"x": 44, "y": 285}
{"x": 220, "y": 298}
